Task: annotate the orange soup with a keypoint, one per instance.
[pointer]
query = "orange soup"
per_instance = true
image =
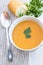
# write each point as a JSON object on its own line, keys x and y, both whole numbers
{"x": 27, "y": 34}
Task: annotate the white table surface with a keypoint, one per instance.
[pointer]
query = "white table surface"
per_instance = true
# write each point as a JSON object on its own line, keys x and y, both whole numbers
{"x": 19, "y": 57}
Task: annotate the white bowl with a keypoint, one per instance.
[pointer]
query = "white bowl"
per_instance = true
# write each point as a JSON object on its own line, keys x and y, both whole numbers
{"x": 16, "y": 22}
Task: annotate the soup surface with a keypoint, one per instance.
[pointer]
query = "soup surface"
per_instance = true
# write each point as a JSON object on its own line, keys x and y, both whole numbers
{"x": 27, "y": 34}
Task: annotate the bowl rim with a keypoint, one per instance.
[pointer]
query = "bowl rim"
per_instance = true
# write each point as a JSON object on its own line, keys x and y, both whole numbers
{"x": 16, "y": 22}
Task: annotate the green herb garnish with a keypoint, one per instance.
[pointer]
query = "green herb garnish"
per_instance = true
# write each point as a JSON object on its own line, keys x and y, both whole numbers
{"x": 28, "y": 36}
{"x": 21, "y": 14}
{"x": 27, "y": 32}
{"x": 34, "y": 8}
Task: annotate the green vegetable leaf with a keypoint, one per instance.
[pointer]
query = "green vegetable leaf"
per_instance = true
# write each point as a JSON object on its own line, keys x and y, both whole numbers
{"x": 27, "y": 33}
{"x": 28, "y": 36}
{"x": 27, "y": 30}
